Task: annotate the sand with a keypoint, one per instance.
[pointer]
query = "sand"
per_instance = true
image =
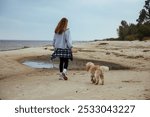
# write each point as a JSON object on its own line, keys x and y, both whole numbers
{"x": 128, "y": 78}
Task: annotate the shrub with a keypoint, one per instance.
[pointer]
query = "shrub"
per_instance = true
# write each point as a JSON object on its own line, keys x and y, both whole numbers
{"x": 131, "y": 37}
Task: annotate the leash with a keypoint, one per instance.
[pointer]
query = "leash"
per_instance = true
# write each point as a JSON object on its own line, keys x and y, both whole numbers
{"x": 52, "y": 63}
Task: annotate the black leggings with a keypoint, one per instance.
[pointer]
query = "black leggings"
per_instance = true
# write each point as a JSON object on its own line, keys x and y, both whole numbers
{"x": 63, "y": 64}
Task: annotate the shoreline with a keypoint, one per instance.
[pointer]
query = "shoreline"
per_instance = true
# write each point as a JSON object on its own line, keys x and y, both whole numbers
{"x": 9, "y": 45}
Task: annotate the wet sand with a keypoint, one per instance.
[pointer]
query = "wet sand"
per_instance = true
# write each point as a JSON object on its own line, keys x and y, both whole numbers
{"x": 128, "y": 78}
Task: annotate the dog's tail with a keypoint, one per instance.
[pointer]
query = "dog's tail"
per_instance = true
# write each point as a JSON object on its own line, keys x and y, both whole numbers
{"x": 104, "y": 68}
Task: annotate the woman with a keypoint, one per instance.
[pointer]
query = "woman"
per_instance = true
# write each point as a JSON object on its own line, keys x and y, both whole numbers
{"x": 63, "y": 47}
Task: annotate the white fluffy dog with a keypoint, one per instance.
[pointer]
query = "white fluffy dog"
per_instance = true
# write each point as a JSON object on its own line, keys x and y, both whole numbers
{"x": 97, "y": 72}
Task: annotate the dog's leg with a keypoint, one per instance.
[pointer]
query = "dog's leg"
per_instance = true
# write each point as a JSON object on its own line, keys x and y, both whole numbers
{"x": 92, "y": 78}
{"x": 96, "y": 77}
{"x": 97, "y": 80}
{"x": 102, "y": 78}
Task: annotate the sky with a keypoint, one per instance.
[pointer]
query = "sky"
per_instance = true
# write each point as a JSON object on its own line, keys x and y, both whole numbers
{"x": 88, "y": 19}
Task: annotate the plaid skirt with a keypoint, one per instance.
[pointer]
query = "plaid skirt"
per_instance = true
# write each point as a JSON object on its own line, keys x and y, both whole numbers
{"x": 62, "y": 53}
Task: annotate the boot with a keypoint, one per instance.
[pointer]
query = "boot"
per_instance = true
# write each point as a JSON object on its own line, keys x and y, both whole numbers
{"x": 64, "y": 73}
{"x": 61, "y": 76}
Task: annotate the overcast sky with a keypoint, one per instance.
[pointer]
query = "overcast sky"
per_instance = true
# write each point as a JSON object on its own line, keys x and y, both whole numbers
{"x": 88, "y": 19}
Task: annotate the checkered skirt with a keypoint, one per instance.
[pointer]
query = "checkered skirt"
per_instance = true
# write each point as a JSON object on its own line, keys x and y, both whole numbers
{"x": 62, "y": 53}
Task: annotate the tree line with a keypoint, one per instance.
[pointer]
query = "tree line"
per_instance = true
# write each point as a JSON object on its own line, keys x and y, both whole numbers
{"x": 139, "y": 31}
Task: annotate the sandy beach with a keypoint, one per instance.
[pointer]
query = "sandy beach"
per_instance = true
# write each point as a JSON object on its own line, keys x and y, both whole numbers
{"x": 128, "y": 78}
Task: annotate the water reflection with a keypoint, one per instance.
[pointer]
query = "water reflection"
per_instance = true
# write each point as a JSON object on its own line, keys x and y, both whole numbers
{"x": 40, "y": 64}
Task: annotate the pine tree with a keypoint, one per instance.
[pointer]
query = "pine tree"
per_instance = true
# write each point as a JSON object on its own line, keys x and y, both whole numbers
{"x": 144, "y": 16}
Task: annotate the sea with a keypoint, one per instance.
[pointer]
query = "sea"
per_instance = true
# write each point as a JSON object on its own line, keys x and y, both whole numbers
{"x": 6, "y": 45}
{"x": 20, "y": 44}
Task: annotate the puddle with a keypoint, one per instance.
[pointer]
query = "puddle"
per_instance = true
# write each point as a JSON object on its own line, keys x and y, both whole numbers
{"x": 39, "y": 64}
{"x": 76, "y": 64}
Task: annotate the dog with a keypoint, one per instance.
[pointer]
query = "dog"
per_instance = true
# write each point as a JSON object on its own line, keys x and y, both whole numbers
{"x": 104, "y": 68}
{"x": 97, "y": 72}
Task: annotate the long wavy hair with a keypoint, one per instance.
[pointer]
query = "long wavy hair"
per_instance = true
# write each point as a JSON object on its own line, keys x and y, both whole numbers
{"x": 62, "y": 26}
